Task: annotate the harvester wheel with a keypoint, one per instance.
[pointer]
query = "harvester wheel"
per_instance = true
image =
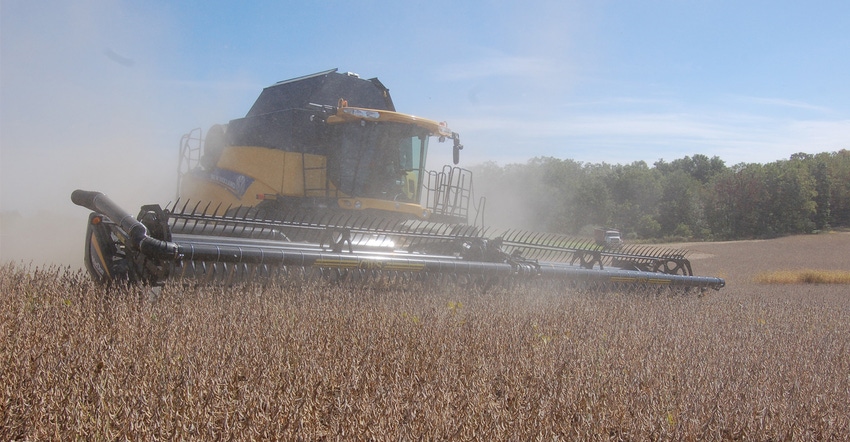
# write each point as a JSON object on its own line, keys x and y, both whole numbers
{"x": 153, "y": 271}
{"x": 588, "y": 259}
{"x": 670, "y": 267}
{"x": 336, "y": 238}
{"x": 106, "y": 256}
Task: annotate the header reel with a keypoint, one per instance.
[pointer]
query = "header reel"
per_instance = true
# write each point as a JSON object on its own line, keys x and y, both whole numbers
{"x": 160, "y": 245}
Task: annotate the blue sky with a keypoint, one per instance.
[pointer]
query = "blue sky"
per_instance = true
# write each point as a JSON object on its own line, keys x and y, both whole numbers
{"x": 96, "y": 94}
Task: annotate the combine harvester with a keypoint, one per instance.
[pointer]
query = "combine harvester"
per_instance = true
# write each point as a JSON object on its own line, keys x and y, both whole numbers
{"x": 323, "y": 177}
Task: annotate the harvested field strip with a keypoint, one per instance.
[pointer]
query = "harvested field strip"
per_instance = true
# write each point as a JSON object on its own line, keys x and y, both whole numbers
{"x": 289, "y": 362}
{"x": 806, "y": 276}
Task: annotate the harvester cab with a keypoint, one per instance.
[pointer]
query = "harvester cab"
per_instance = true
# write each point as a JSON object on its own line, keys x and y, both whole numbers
{"x": 325, "y": 142}
{"x": 323, "y": 177}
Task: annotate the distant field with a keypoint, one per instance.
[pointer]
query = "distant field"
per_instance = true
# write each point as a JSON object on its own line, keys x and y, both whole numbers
{"x": 740, "y": 262}
{"x": 752, "y": 361}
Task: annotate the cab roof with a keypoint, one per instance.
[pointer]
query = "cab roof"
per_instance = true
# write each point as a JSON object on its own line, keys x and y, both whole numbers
{"x": 325, "y": 89}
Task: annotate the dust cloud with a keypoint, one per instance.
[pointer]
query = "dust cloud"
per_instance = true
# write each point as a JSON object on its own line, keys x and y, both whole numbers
{"x": 506, "y": 206}
{"x": 88, "y": 100}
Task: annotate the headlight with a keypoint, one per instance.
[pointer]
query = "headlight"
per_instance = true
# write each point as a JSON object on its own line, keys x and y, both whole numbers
{"x": 362, "y": 113}
{"x": 444, "y": 131}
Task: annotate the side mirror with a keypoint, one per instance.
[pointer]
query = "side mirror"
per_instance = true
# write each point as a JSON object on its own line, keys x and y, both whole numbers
{"x": 456, "y": 148}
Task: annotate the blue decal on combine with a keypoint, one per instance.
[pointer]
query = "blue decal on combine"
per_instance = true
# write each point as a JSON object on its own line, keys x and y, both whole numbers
{"x": 235, "y": 182}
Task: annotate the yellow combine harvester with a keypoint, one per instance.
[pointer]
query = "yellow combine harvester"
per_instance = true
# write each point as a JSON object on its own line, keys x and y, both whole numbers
{"x": 324, "y": 175}
{"x": 325, "y": 141}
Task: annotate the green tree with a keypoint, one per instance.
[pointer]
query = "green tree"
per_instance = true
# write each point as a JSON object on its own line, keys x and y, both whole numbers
{"x": 790, "y": 204}
{"x": 839, "y": 188}
{"x": 735, "y": 201}
{"x": 635, "y": 191}
{"x": 692, "y": 196}
{"x": 593, "y": 204}
{"x": 680, "y": 205}
{"x": 819, "y": 169}
{"x": 699, "y": 167}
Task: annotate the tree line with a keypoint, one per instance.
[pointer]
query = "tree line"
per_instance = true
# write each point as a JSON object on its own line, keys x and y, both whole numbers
{"x": 689, "y": 198}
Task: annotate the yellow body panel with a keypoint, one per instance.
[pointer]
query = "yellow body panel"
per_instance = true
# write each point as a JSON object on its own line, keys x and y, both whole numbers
{"x": 274, "y": 172}
{"x": 349, "y": 114}
{"x": 200, "y": 189}
{"x": 280, "y": 173}
{"x": 389, "y": 206}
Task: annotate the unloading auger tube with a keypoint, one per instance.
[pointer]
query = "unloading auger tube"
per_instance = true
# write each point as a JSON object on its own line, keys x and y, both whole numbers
{"x": 143, "y": 250}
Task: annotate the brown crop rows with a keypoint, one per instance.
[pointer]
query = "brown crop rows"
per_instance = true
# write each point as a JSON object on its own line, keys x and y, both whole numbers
{"x": 319, "y": 362}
